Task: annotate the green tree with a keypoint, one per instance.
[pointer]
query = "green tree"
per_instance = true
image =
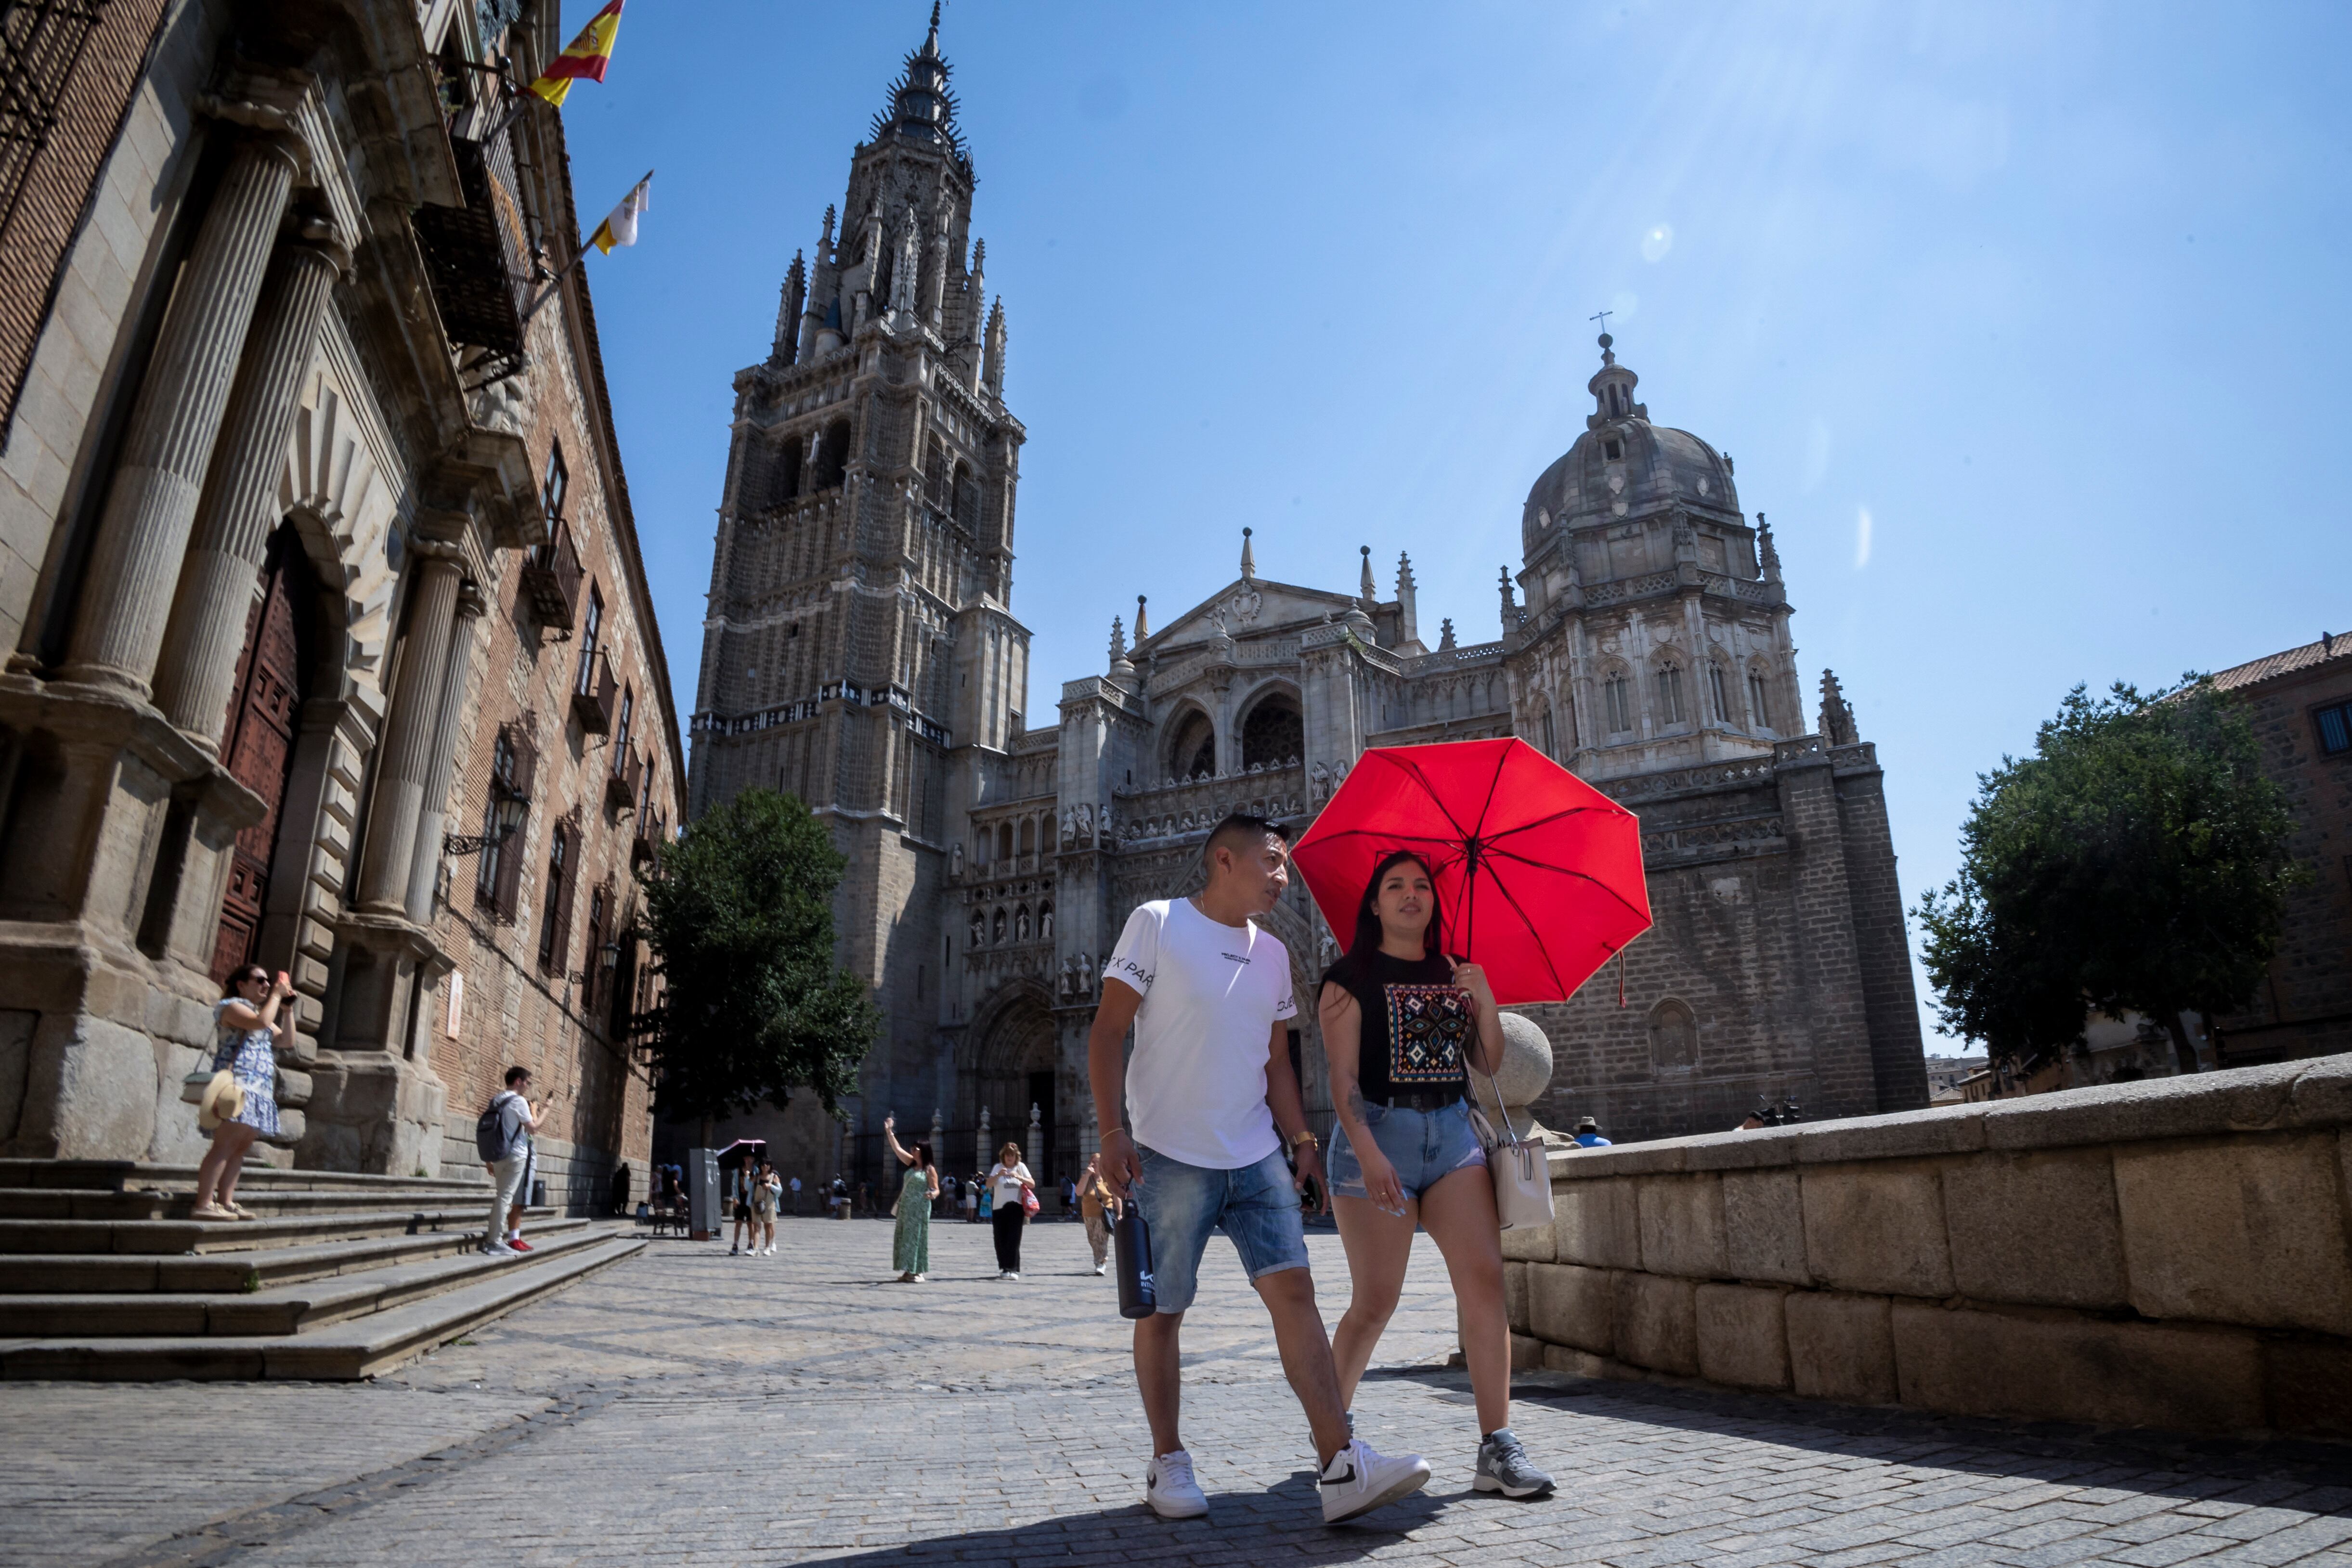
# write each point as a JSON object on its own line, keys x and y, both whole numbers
{"x": 739, "y": 917}
{"x": 2135, "y": 863}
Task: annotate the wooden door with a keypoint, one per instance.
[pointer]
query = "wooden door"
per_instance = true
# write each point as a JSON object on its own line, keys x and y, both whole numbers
{"x": 258, "y": 745}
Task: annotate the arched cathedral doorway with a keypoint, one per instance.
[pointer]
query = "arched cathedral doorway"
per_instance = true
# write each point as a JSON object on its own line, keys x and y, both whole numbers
{"x": 273, "y": 676}
{"x": 1015, "y": 1064}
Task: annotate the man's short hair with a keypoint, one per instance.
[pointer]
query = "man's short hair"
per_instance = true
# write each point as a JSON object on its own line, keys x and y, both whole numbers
{"x": 1241, "y": 831}
{"x": 514, "y": 1073}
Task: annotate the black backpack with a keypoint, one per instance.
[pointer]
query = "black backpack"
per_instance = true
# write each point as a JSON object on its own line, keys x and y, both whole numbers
{"x": 490, "y": 1140}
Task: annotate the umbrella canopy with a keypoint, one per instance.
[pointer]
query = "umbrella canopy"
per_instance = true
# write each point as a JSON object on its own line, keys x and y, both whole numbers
{"x": 1540, "y": 874}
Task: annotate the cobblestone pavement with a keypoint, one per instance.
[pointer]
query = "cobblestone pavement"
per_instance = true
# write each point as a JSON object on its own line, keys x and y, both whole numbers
{"x": 690, "y": 1407}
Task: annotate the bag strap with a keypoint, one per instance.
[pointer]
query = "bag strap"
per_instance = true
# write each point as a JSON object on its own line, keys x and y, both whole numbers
{"x": 1510, "y": 1133}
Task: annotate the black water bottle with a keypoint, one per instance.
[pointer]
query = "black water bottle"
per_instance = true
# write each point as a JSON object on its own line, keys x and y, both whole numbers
{"x": 1137, "y": 1296}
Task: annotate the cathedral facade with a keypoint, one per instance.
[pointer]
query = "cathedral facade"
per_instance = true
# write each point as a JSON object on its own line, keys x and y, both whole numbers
{"x": 861, "y": 653}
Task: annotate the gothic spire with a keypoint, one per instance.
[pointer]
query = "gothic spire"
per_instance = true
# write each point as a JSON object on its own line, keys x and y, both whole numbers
{"x": 788, "y": 312}
{"x": 1771, "y": 557}
{"x": 991, "y": 374}
{"x": 922, "y": 108}
{"x": 1837, "y": 717}
{"x": 1249, "y": 562}
{"x": 1141, "y": 631}
{"x": 1366, "y": 589}
{"x": 1118, "y": 640}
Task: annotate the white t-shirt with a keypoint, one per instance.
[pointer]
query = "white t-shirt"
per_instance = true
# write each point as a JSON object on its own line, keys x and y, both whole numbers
{"x": 1008, "y": 1180}
{"x": 1211, "y": 994}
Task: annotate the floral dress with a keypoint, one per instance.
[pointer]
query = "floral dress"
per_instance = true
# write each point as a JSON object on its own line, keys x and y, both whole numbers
{"x": 250, "y": 1055}
{"x": 910, "y": 1247}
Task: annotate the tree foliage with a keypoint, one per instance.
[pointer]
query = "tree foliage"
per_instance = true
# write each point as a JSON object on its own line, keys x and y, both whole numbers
{"x": 740, "y": 916}
{"x": 2135, "y": 863}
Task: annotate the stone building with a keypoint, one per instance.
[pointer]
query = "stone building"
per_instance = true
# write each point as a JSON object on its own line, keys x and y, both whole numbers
{"x": 861, "y": 653}
{"x": 2300, "y": 701}
{"x": 318, "y": 569}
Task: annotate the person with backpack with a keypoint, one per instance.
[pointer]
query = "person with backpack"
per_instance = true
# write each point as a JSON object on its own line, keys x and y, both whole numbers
{"x": 502, "y": 1137}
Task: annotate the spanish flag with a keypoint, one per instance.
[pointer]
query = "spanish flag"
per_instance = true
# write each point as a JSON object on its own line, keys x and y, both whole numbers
{"x": 620, "y": 224}
{"x": 584, "y": 59}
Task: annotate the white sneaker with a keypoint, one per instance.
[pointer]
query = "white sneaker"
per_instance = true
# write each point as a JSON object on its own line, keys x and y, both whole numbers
{"x": 1014, "y": 1277}
{"x": 1098, "y": 1269}
{"x": 1171, "y": 1492}
{"x": 1359, "y": 1480}
{"x": 500, "y": 1249}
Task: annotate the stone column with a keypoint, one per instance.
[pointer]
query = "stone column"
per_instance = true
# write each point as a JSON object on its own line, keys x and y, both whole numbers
{"x": 409, "y": 737}
{"x": 144, "y": 531}
{"x": 431, "y": 816}
{"x": 207, "y": 630}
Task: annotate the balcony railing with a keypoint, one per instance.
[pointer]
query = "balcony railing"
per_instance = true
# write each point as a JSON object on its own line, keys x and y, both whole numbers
{"x": 593, "y": 699}
{"x": 550, "y": 580}
{"x": 652, "y": 833}
{"x": 478, "y": 256}
{"x": 622, "y": 780}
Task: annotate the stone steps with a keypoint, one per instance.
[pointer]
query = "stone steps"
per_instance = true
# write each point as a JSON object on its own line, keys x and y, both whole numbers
{"x": 276, "y": 1309}
{"x": 102, "y": 1275}
{"x": 107, "y": 1203}
{"x": 356, "y": 1348}
{"x": 178, "y": 1236}
{"x": 110, "y": 1273}
{"x": 123, "y": 1175}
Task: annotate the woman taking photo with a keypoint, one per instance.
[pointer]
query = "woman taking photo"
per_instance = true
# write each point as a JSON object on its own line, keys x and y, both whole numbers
{"x": 910, "y": 1245}
{"x": 249, "y": 1026}
{"x": 1009, "y": 1184}
{"x": 1400, "y": 1021}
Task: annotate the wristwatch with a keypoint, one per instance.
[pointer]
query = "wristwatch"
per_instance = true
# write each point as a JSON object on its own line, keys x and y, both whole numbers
{"x": 1305, "y": 1135}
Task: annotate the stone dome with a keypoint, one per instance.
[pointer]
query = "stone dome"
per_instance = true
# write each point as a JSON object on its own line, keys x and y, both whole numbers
{"x": 1624, "y": 466}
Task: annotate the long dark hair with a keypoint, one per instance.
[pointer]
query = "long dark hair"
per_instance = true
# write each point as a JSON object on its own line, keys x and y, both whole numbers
{"x": 1354, "y": 969}
{"x": 922, "y": 1152}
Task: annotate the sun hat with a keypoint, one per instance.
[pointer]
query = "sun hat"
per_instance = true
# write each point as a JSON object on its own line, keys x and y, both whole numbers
{"x": 223, "y": 1097}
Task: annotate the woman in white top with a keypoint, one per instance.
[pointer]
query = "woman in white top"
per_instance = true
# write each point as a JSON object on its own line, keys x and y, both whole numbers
{"x": 1008, "y": 1184}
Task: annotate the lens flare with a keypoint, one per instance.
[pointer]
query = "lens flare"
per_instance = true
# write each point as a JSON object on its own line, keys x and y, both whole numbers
{"x": 1862, "y": 529}
{"x": 1657, "y": 242}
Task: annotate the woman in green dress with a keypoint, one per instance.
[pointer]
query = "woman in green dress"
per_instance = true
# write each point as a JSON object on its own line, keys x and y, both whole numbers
{"x": 911, "y": 1249}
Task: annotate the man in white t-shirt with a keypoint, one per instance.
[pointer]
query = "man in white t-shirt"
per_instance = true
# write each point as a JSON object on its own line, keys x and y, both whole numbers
{"x": 1193, "y": 1131}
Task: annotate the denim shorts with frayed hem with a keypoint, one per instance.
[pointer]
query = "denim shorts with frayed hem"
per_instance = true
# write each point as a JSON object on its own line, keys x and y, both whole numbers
{"x": 1254, "y": 1206}
{"x": 1423, "y": 1146}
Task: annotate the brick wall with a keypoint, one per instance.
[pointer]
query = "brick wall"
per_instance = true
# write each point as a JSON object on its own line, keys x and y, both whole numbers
{"x": 2303, "y": 1007}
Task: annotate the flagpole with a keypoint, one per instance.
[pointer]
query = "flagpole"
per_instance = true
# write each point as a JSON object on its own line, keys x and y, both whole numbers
{"x": 556, "y": 282}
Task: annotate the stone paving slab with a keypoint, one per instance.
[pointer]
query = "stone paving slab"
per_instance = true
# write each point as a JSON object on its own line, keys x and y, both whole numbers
{"x": 687, "y": 1408}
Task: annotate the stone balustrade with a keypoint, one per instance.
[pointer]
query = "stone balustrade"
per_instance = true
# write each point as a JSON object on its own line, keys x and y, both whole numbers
{"x": 2171, "y": 1253}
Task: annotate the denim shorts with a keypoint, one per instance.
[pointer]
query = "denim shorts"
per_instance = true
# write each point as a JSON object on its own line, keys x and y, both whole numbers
{"x": 1255, "y": 1207}
{"x": 1423, "y": 1146}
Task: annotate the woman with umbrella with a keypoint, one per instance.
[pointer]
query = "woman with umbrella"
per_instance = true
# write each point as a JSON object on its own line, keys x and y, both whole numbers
{"x": 1543, "y": 878}
{"x": 1400, "y": 1021}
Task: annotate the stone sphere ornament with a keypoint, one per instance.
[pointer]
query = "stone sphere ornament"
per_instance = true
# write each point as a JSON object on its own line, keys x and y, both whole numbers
{"x": 1527, "y": 1062}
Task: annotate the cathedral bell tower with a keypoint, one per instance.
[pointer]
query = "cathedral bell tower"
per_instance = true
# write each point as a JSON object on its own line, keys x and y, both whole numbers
{"x": 859, "y": 648}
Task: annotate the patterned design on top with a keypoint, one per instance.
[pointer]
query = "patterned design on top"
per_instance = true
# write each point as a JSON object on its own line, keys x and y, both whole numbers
{"x": 1429, "y": 1027}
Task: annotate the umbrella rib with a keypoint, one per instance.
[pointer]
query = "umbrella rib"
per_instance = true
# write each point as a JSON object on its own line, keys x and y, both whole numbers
{"x": 1565, "y": 871}
{"x": 1501, "y": 758}
{"x": 1542, "y": 951}
{"x": 1412, "y": 771}
{"x": 1542, "y": 822}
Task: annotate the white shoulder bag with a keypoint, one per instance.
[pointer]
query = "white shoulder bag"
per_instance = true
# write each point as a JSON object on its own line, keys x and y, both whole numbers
{"x": 1522, "y": 1173}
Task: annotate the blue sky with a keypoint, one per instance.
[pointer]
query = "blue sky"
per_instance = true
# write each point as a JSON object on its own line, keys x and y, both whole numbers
{"x": 2027, "y": 325}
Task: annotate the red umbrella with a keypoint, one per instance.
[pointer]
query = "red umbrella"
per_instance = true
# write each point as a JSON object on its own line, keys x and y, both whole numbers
{"x": 1540, "y": 873}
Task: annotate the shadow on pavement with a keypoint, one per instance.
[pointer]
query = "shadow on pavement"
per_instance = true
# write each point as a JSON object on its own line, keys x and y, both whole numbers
{"x": 2149, "y": 1463}
{"x": 1284, "y": 1523}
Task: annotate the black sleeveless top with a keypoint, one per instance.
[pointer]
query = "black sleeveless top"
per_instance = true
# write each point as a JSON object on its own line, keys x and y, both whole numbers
{"x": 1417, "y": 1026}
